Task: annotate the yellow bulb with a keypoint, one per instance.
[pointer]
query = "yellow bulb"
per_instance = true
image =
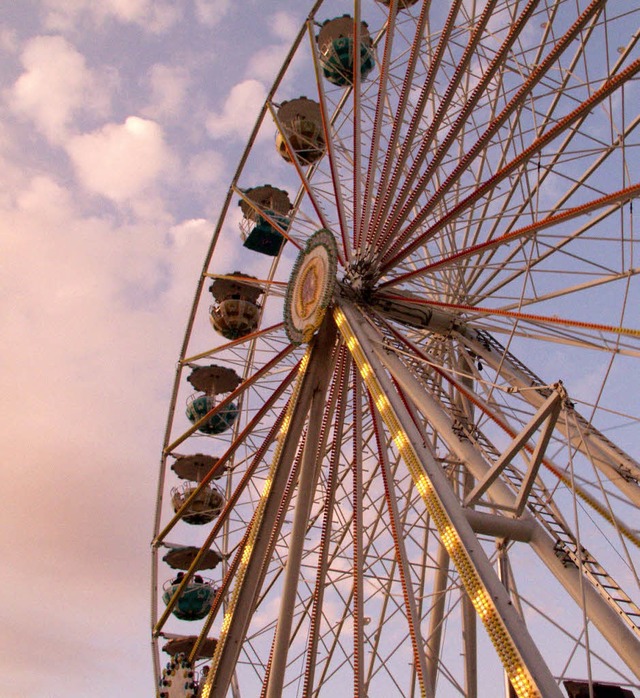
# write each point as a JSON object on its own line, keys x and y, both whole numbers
{"x": 521, "y": 683}
{"x": 226, "y": 622}
{"x": 246, "y": 555}
{"x": 481, "y": 604}
{"x": 382, "y": 403}
{"x": 266, "y": 487}
{"x": 423, "y": 486}
{"x": 449, "y": 538}
{"x": 400, "y": 440}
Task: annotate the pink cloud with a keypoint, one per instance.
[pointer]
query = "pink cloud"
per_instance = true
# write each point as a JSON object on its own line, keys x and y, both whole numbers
{"x": 120, "y": 161}
{"x": 55, "y": 85}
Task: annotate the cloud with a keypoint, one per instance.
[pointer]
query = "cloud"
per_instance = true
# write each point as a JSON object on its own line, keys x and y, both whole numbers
{"x": 198, "y": 227}
{"x": 120, "y": 161}
{"x": 95, "y": 311}
{"x": 239, "y": 111}
{"x": 55, "y": 85}
{"x": 206, "y": 168}
{"x": 88, "y": 301}
{"x": 211, "y": 12}
{"x": 154, "y": 16}
{"x": 265, "y": 64}
{"x": 169, "y": 86}
{"x": 45, "y": 198}
{"x": 8, "y": 40}
{"x": 284, "y": 26}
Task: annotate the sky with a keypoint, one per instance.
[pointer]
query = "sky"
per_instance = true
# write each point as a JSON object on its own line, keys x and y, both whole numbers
{"x": 120, "y": 125}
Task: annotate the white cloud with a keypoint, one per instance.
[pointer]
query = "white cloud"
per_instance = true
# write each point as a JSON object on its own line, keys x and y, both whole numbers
{"x": 265, "y": 64}
{"x": 120, "y": 161}
{"x": 13, "y": 175}
{"x": 154, "y": 16}
{"x": 45, "y": 199}
{"x": 206, "y": 168}
{"x": 211, "y": 12}
{"x": 239, "y": 112}
{"x": 160, "y": 17}
{"x": 95, "y": 313}
{"x": 55, "y": 85}
{"x": 169, "y": 86}
{"x": 199, "y": 227}
{"x": 284, "y": 26}
{"x": 99, "y": 301}
{"x": 126, "y": 10}
{"x": 60, "y": 16}
{"x": 8, "y": 40}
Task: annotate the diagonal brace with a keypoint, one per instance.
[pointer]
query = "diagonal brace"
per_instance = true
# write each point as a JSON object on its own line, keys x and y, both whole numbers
{"x": 547, "y": 416}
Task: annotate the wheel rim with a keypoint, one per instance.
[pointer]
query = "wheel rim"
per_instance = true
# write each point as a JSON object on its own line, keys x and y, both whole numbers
{"x": 478, "y": 186}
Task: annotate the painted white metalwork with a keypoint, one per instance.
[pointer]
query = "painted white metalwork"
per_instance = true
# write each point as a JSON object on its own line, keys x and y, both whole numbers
{"x": 439, "y": 494}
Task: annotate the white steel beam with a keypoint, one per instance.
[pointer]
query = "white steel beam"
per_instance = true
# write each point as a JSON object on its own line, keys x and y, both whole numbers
{"x": 267, "y": 523}
{"x": 307, "y": 484}
{"x": 604, "y": 615}
{"x": 547, "y": 413}
{"x": 528, "y": 670}
{"x": 436, "y": 615}
{"x": 618, "y": 467}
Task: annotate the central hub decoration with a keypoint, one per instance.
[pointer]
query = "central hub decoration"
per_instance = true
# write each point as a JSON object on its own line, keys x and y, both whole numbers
{"x": 311, "y": 287}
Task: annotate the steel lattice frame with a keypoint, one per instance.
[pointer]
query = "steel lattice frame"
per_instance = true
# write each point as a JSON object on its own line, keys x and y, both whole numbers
{"x": 423, "y": 500}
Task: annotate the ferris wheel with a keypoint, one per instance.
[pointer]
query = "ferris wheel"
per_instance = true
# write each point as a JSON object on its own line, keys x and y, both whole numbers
{"x": 399, "y": 459}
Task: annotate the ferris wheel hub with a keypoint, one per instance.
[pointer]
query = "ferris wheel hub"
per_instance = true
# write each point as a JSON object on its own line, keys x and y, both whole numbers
{"x": 311, "y": 287}
{"x": 406, "y": 453}
{"x": 361, "y": 277}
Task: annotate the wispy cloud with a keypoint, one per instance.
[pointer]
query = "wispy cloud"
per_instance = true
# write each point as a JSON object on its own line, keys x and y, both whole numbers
{"x": 55, "y": 86}
{"x": 120, "y": 161}
{"x": 239, "y": 111}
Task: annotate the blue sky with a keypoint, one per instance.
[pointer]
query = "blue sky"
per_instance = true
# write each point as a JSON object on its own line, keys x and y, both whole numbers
{"x": 120, "y": 124}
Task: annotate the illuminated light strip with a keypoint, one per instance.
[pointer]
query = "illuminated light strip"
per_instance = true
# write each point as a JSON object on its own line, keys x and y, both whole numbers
{"x": 266, "y": 487}
{"x": 253, "y": 533}
{"x": 518, "y": 674}
{"x": 407, "y": 589}
{"x": 581, "y": 493}
{"x": 629, "y": 332}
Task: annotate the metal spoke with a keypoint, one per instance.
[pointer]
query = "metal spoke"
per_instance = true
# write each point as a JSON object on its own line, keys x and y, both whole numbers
{"x": 418, "y": 479}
